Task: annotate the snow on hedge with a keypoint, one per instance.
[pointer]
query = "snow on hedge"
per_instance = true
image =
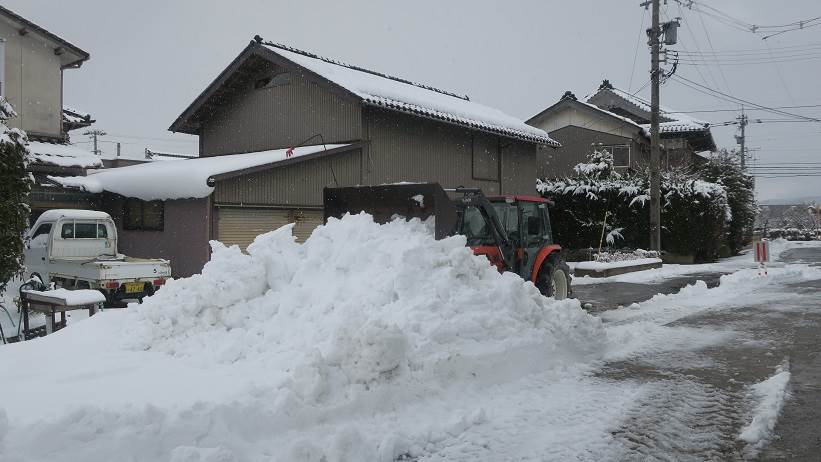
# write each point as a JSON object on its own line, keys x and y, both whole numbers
{"x": 364, "y": 343}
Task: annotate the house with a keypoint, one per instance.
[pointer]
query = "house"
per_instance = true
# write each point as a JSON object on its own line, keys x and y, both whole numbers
{"x": 31, "y": 79}
{"x": 581, "y": 127}
{"x": 620, "y": 122}
{"x": 352, "y": 125}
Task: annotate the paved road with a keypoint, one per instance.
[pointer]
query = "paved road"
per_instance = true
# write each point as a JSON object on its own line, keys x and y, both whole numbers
{"x": 699, "y": 398}
{"x": 609, "y": 295}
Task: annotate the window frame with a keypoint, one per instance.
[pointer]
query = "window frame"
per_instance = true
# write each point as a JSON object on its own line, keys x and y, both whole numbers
{"x": 97, "y": 224}
{"x": 130, "y": 225}
{"x": 609, "y": 148}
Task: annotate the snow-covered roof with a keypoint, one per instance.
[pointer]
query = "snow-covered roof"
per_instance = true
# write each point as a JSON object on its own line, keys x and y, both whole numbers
{"x": 62, "y": 155}
{"x": 377, "y": 89}
{"x": 672, "y": 121}
{"x": 74, "y": 118}
{"x": 179, "y": 179}
{"x": 56, "y": 214}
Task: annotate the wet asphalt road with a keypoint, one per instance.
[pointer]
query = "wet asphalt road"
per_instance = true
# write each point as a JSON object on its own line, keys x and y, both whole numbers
{"x": 699, "y": 399}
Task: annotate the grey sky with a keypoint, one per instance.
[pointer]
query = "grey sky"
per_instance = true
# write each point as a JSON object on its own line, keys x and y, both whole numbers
{"x": 150, "y": 58}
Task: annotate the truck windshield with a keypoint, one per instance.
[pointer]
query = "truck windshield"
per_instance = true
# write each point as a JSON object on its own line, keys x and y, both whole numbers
{"x": 474, "y": 226}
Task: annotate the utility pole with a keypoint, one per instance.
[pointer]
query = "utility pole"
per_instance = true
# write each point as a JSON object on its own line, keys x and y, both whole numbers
{"x": 94, "y": 134}
{"x": 655, "y": 151}
{"x": 741, "y": 139}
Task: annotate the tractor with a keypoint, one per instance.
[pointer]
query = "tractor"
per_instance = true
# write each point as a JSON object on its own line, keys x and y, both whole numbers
{"x": 512, "y": 231}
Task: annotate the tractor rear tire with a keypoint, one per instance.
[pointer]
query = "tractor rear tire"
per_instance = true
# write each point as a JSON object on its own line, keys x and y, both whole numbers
{"x": 554, "y": 279}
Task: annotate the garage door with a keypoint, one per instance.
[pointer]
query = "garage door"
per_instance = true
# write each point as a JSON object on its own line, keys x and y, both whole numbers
{"x": 240, "y": 225}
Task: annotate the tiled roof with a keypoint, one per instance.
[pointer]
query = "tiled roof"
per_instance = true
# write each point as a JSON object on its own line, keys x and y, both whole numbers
{"x": 393, "y": 93}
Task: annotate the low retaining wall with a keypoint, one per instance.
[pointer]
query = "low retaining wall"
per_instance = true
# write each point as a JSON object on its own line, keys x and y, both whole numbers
{"x": 615, "y": 270}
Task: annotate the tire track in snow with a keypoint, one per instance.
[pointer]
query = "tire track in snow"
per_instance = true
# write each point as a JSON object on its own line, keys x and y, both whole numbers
{"x": 681, "y": 420}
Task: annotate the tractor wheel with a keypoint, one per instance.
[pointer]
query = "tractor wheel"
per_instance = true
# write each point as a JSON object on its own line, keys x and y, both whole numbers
{"x": 554, "y": 280}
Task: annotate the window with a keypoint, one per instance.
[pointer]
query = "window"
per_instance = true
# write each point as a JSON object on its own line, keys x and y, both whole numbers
{"x": 143, "y": 215}
{"x": 621, "y": 155}
{"x": 485, "y": 158}
{"x": 83, "y": 230}
{"x": 45, "y": 228}
{"x": 534, "y": 223}
{"x": 509, "y": 217}
{"x": 475, "y": 228}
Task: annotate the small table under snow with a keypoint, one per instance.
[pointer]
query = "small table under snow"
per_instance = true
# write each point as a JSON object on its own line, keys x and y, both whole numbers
{"x": 51, "y": 302}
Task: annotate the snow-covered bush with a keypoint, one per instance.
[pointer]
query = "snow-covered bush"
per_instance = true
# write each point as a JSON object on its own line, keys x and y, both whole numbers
{"x": 15, "y": 184}
{"x": 724, "y": 169}
{"x": 694, "y": 211}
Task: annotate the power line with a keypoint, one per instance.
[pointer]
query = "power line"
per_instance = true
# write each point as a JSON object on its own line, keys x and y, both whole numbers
{"x": 758, "y": 51}
{"x": 636, "y": 53}
{"x": 699, "y": 111}
{"x": 725, "y": 96}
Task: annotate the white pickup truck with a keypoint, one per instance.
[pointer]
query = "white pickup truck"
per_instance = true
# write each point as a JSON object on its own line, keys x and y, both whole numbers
{"x": 77, "y": 249}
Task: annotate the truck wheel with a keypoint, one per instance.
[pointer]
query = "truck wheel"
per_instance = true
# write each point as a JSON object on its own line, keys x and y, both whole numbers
{"x": 554, "y": 280}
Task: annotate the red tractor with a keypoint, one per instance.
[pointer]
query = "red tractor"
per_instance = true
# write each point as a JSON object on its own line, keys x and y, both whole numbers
{"x": 513, "y": 232}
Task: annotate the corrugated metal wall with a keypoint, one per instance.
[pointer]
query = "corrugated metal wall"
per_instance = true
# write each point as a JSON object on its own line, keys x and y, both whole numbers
{"x": 576, "y": 146}
{"x": 298, "y": 184}
{"x": 518, "y": 167}
{"x": 280, "y": 116}
{"x": 406, "y": 148}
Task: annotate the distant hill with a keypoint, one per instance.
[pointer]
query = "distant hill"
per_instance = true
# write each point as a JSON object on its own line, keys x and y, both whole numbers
{"x": 791, "y": 200}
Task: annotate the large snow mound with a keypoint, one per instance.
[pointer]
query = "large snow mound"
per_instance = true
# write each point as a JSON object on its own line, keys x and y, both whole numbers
{"x": 367, "y": 298}
{"x": 367, "y": 342}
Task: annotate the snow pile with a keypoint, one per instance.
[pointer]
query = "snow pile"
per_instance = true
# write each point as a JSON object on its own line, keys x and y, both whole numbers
{"x": 366, "y": 343}
{"x": 361, "y": 297}
{"x": 770, "y": 396}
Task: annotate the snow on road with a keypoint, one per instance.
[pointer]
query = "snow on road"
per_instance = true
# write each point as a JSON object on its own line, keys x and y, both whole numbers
{"x": 367, "y": 343}
{"x": 769, "y": 396}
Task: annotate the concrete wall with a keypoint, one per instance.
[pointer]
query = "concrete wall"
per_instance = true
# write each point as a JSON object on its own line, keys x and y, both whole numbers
{"x": 183, "y": 240}
{"x": 33, "y": 82}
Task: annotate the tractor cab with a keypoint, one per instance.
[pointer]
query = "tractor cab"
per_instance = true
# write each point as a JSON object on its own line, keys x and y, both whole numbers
{"x": 527, "y": 224}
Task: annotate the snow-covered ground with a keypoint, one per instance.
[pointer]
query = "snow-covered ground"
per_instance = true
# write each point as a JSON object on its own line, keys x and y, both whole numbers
{"x": 367, "y": 343}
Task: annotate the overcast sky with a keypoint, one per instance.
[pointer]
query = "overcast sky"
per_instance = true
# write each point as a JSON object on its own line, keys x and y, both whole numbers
{"x": 151, "y": 58}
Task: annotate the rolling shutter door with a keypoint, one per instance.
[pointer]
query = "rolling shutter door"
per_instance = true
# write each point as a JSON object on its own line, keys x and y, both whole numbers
{"x": 306, "y": 221}
{"x": 241, "y": 225}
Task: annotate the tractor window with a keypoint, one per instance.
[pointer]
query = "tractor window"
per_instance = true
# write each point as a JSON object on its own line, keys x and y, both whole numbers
{"x": 534, "y": 222}
{"x": 476, "y": 228}
{"x": 509, "y": 217}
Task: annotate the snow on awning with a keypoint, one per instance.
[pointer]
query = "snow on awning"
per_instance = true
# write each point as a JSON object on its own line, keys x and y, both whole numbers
{"x": 62, "y": 155}
{"x": 181, "y": 179}
{"x": 396, "y": 94}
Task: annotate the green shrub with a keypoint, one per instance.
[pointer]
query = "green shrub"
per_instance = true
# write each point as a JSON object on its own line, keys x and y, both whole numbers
{"x": 15, "y": 184}
{"x": 694, "y": 212}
